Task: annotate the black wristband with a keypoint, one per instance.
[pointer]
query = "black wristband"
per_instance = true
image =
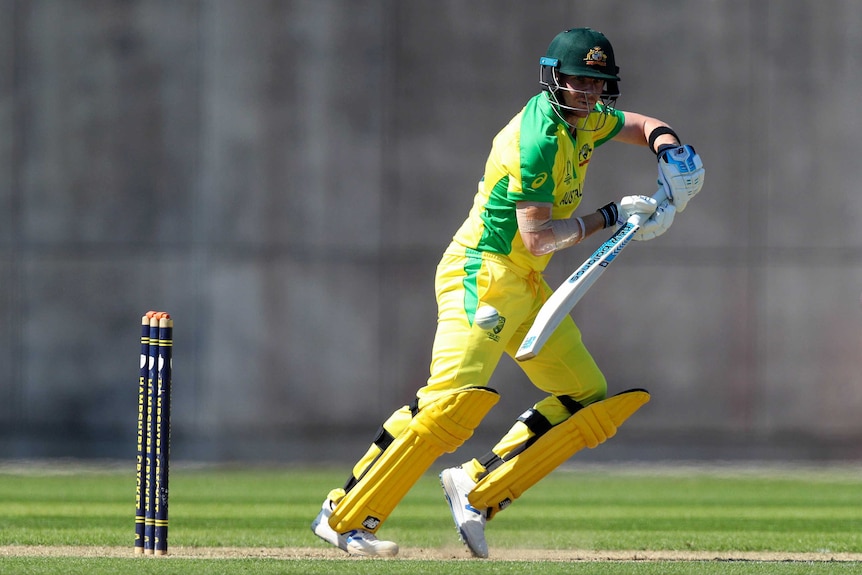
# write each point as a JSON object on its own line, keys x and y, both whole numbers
{"x": 610, "y": 213}
{"x": 653, "y": 136}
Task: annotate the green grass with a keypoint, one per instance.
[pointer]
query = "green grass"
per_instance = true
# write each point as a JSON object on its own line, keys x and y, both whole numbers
{"x": 71, "y": 566}
{"x": 603, "y": 509}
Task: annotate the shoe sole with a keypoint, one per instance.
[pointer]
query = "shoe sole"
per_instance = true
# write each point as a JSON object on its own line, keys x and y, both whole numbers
{"x": 383, "y": 551}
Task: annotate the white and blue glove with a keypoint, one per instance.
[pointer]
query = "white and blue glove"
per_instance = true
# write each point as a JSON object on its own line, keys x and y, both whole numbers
{"x": 680, "y": 171}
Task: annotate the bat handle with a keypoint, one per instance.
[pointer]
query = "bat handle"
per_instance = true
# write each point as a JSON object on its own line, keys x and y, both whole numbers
{"x": 660, "y": 196}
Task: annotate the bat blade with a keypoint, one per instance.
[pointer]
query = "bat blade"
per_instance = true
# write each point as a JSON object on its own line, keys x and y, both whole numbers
{"x": 561, "y": 302}
{"x": 571, "y": 291}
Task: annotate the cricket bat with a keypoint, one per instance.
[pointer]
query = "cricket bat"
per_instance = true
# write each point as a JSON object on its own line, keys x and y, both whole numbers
{"x": 564, "y": 299}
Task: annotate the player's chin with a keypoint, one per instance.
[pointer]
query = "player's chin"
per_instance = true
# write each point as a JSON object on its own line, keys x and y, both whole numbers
{"x": 576, "y": 118}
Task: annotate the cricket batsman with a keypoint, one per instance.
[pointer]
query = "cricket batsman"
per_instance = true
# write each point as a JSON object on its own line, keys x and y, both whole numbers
{"x": 523, "y": 212}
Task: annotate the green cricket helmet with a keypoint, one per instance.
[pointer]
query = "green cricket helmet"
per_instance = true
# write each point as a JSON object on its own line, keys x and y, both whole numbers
{"x": 582, "y": 52}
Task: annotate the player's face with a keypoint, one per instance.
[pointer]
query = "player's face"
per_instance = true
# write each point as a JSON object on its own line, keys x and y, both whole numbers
{"x": 581, "y": 93}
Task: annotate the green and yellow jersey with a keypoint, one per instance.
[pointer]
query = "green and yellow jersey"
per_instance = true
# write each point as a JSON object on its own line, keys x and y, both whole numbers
{"x": 534, "y": 158}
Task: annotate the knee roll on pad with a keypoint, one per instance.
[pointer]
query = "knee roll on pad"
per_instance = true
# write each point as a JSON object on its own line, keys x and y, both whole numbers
{"x": 588, "y": 427}
{"x": 440, "y": 427}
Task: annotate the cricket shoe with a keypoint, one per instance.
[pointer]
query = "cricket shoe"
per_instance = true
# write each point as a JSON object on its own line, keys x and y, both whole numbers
{"x": 355, "y": 542}
{"x": 469, "y": 520}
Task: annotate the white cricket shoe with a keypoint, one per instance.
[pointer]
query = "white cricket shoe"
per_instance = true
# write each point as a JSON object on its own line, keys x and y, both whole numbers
{"x": 366, "y": 544}
{"x": 469, "y": 520}
{"x": 356, "y": 542}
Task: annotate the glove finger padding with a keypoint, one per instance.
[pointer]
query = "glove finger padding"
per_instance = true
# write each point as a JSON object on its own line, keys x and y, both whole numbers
{"x": 658, "y": 223}
{"x": 634, "y": 205}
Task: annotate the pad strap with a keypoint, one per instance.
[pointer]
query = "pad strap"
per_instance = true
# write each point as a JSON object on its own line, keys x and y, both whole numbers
{"x": 537, "y": 424}
{"x": 588, "y": 427}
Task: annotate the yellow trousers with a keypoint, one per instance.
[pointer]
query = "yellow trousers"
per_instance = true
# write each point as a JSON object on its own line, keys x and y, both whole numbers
{"x": 465, "y": 355}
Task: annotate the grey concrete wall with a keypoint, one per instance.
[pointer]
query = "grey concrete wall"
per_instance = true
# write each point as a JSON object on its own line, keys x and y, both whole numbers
{"x": 282, "y": 176}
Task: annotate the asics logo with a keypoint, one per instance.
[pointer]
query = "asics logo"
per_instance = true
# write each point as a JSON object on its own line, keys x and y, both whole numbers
{"x": 539, "y": 180}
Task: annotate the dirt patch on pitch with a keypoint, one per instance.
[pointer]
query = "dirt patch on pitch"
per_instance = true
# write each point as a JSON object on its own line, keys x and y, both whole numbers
{"x": 456, "y": 554}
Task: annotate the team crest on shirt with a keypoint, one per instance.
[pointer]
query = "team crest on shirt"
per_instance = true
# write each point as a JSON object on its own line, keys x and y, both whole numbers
{"x": 596, "y": 57}
{"x": 584, "y": 154}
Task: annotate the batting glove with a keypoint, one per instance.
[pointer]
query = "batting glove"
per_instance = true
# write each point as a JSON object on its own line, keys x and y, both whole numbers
{"x": 680, "y": 171}
{"x": 635, "y": 205}
{"x": 657, "y": 217}
{"x": 658, "y": 222}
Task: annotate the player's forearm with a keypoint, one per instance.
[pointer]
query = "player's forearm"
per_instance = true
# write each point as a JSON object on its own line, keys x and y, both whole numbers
{"x": 542, "y": 235}
{"x": 646, "y": 131}
{"x": 563, "y": 229}
{"x": 593, "y": 222}
{"x": 658, "y": 133}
